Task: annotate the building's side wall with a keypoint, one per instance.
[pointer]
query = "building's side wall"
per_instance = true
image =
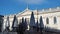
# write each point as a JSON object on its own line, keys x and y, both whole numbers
{"x": 51, "y": 19}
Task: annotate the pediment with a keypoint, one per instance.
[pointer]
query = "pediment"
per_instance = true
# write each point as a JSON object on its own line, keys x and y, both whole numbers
{"x": 27, "y": 12}
{"x": 24, "y": 13}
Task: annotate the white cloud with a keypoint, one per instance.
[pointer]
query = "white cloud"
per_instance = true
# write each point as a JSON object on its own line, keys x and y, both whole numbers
{"x": 33, "y": 1}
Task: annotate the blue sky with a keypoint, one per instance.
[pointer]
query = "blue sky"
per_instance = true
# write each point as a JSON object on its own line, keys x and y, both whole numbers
{"x": 8, "y": 7}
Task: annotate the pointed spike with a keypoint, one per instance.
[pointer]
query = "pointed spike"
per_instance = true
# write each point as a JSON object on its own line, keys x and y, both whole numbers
{"x": 57, "y": 7}
{"x": 27, "y": 7}
{"x": 42, "y": 9}
{"x": 50, "y": 9}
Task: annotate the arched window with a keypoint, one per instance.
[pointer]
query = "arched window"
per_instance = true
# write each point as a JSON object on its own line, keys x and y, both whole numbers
{"x": 55, "y": 20}
{"x": 47, "y": 20}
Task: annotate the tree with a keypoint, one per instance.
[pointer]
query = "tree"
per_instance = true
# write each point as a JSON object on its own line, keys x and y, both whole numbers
{"x": 32, "y": 21}
{"x": 15, "y": 24}
{"x": 25, "y": 24}
{"x": 1, "y": 22}
{"x": 41, "y": 24}
{"x": 37, "y": 26}
{"x": 22, "y": 26}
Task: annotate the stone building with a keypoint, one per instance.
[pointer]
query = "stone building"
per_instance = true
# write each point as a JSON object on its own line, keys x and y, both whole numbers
{"x": 50, "y": 16}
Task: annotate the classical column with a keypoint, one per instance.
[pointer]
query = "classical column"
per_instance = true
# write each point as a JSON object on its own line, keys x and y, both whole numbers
{"x": 7, "y": 25}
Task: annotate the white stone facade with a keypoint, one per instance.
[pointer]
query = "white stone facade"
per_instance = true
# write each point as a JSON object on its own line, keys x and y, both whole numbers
{"x": 45, "y": 13}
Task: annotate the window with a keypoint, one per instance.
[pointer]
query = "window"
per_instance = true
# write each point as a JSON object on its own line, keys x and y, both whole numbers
{"x": 47, "y": 20}
{"x": 55, "y": 20}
